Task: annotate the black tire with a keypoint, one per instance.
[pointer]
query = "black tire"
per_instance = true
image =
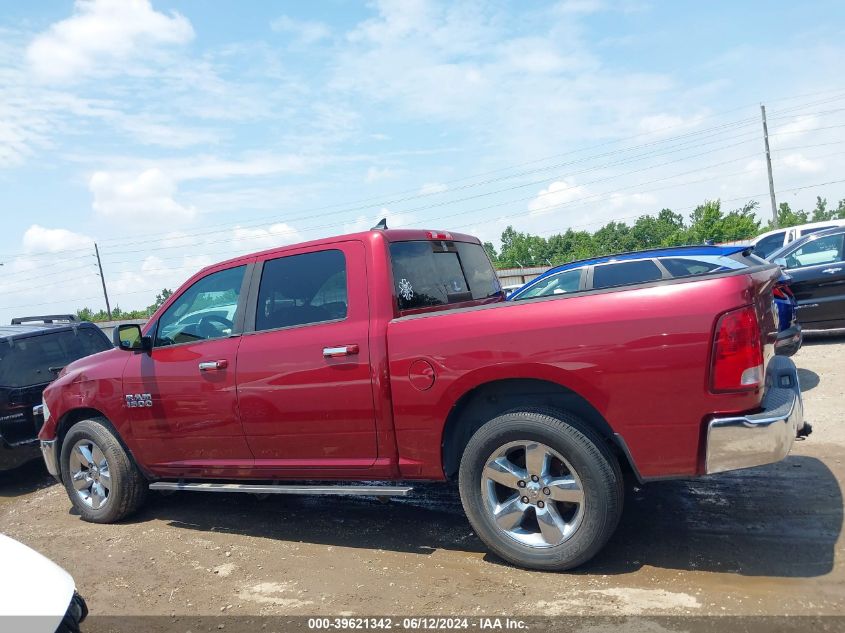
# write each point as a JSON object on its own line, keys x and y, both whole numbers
{"x": 594, "y": 465}
{"x": 127, "y": 486}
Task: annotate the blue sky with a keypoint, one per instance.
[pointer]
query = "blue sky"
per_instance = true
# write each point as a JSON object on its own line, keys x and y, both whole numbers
{"x": 176, "y": 134}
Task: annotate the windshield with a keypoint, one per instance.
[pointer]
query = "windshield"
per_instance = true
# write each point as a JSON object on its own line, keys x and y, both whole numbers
{"x": 435, "y": 273}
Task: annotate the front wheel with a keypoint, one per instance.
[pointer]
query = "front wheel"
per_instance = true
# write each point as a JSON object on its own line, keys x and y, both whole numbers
{"x": 541, "y": 489}
{"x": 99, "y": 474}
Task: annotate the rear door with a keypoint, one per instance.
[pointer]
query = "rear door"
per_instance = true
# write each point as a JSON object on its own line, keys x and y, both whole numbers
{"x": 817, "y": 268}
{"x": 304, "y": 380}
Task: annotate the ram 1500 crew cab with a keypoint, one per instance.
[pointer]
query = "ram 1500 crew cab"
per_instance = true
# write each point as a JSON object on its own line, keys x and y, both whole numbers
{"x": 391, "y": 355}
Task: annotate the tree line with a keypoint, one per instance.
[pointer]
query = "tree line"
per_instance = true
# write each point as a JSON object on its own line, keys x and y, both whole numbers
{"x": 708, "y": 221}
{"x": 87, "y": 314}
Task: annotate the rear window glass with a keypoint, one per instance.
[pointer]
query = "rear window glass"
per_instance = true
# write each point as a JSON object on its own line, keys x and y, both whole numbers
{"x": 28, "y": 360}
{"x": 625, "y": 273}
{"x": 701, "y": 265}
{"x": 435, "y": 273}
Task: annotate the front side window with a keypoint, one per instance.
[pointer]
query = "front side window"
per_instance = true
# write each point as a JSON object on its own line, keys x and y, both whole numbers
{"x": 822, "y": 250}
{"x": 769, "y": 245}
{"x": 435, "y": 273}
{"x": 302, "y": 289}
{"x": 625, "y": 273}
{"x": 204, "y": 311}
{"x": 561, "y": 283}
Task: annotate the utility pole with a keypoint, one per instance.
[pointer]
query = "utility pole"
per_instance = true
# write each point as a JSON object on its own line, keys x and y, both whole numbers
{"x": 103, "y": 279}
{"x": 769, "y": 165}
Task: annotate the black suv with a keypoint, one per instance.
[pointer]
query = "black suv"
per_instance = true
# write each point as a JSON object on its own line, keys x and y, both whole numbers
{"x": 32, "y": 351}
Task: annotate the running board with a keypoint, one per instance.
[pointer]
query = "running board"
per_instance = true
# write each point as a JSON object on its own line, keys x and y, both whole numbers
{"x": 278, "y": 489}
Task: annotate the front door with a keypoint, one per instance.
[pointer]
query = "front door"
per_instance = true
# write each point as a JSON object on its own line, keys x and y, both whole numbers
{"x": 181, "y": 400}
{"x": 304, "y": 383}
{"x": 818, "y": 281}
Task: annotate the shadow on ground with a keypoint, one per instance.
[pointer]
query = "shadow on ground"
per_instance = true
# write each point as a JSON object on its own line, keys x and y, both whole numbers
{"x": 808, "y": 379}
{"x": 24, "y": 479}
{"x": 779, "y": 520}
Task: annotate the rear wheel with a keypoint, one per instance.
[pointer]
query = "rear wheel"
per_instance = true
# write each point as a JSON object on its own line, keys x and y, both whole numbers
{"x": 100, "y": 476}
{"x": 541, "y": 489}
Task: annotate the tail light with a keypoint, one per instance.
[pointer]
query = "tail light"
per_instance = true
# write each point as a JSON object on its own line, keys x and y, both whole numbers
{"x": 782, "y": 291}
{"x": 737, "y": 352}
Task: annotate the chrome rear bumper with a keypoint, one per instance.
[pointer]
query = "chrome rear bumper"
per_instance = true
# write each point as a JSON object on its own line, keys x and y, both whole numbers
{"x": 762, "y": 438}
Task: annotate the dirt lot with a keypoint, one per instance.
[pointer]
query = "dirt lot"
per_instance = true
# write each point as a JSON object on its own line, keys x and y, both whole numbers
{"x": 764, "y": 541}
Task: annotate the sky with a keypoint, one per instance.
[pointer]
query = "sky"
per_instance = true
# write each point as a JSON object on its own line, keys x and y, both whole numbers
{"x": 179, "y": 134}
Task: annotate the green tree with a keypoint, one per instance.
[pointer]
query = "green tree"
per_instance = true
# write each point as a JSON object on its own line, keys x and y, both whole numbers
{"x": 164, "y": 295}
{"x": 788, "y": 217}
{"x": 491, "y": 252}
{"x": 706, "y": 223}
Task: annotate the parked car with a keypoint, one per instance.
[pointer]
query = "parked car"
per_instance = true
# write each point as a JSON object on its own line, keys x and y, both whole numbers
{"x": 392, "y": 355}
{"x": 36, "y": 595}
{"x": 663, "y": 263}
{"x": 816, "y": 265}
{"x": 32, "y": 351}
{"x": 767, "y": 243}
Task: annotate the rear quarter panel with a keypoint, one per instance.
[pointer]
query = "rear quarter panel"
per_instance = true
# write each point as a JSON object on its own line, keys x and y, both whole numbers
{"x": 640, "y": 356}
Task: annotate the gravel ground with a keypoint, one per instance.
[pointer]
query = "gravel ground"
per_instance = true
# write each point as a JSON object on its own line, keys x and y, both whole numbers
{"x": 766, "y": 541}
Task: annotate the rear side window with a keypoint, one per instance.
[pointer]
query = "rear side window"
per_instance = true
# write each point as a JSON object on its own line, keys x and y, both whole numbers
{"x": 769, "y": 245}
{"x": 302, "y": 289}
{"x": 688, "y": 266}
{"x": 625, "y": 273}
{"x": 31, "y": 360}
{"x": 561, "y": 283}
{"x": 435, "y": 273}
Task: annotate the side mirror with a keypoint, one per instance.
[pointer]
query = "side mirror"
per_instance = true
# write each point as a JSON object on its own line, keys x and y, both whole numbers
{"x": 128, "y": 337}
{"x": 781, "y": 261}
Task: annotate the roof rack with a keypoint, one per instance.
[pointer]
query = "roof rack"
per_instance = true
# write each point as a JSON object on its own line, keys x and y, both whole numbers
{"x": 48, "y": 318}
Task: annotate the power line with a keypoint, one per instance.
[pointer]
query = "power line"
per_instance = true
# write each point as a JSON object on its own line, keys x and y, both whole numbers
{"x": 382, "y": 202}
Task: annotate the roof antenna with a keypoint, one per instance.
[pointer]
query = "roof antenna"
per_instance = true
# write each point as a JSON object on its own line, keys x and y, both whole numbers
{"x": 381, "y": 226}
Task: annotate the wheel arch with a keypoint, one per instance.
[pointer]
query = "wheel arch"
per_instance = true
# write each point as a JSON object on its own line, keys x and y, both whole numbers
{"x": 74, "y": 416}
{"x": 487, "y": 400}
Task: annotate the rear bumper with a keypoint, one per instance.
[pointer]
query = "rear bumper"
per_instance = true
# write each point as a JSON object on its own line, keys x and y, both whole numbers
{"x": 789, "y": 341}
{"x": 762, "y": 438}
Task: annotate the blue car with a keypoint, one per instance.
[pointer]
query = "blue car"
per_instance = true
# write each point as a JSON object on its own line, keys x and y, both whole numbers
{"x": 643, "y": 267}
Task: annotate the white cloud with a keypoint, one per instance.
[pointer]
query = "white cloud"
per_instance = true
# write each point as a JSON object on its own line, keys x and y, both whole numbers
{"x": 795, "y": 129}
{"x": 430, "y": 188}
{"x": 797, "y": 160}
{"x": 305, "y": 31}
{"x": 257, "y": 239}
{"x": 150, "y": 131}
{"x": 100, "y": 36}
{"x": 38, "y": 239}
{"x": 395, "y": 220}
{"x": 668, "y": 123}
{"x": 557, "y": 193}
{"x": 376, "y": 174}
{"x": 143, "y": 198}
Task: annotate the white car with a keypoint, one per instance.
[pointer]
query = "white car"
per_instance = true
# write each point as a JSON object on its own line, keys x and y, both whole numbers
{"x": 36, "y": 595}
{"x": 767, "y": 243}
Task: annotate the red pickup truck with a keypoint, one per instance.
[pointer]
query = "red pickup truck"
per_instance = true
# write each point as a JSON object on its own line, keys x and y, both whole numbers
{"x": 358, "y": 364}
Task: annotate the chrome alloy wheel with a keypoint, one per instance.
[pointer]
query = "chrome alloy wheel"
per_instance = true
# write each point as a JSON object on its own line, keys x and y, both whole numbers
{"x": 532, "y": 494}
{"x": 89, "y": 473}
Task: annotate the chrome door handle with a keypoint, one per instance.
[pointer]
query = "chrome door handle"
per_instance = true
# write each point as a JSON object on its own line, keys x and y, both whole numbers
{"x": 213, "y": 365}
{"x": 341, "y": 350}
{"x": 831, "y": 270}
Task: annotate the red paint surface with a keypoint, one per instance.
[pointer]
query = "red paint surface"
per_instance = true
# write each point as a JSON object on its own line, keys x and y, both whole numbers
{"x": 281, "y": 410}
